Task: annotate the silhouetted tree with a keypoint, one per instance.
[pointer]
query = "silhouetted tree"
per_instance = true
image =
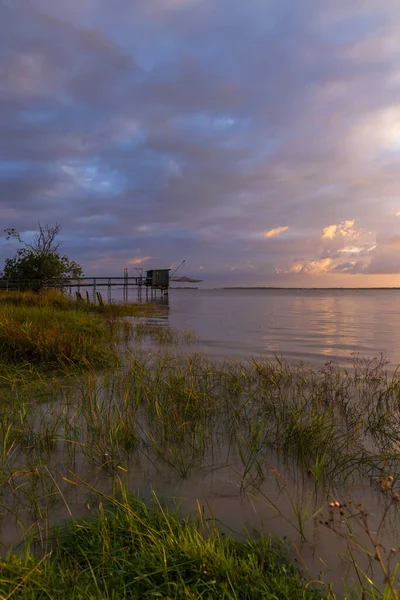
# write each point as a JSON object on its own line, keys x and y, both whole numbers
{"x": 40, "y": 259}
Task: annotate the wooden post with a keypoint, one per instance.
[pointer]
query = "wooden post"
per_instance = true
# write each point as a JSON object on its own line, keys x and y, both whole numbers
{"x": 125, "y": 285}
{"x": 100, "y": 298}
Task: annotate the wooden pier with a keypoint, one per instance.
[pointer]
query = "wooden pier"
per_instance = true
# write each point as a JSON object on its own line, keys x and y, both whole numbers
{"x": 146, "y": 286}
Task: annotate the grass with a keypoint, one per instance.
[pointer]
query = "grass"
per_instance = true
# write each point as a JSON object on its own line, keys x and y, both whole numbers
{"x": 48, "y": 331}
{"x": 130, "y": 550}
{"x": 56, "y": 299}
{"x": 290, "y": 438}
{"x": 164, "y": 335}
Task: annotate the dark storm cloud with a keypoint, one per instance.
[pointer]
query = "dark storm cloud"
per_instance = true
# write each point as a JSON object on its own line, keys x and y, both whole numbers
{"x": 170, "y": 129}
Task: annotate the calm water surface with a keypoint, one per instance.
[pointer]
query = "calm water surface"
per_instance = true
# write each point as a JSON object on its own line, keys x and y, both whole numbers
{"x": 302, "y": 325}
{"x": 307, "y": 325}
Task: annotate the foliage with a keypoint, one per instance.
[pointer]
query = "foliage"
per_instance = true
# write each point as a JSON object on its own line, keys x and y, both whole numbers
{"x": 40, "y": 260}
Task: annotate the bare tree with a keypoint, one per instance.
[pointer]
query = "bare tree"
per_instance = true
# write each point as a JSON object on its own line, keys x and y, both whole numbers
{"x": 43, "y": 241}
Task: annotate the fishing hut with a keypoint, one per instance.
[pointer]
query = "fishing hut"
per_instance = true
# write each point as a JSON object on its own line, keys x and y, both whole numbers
{"x": 156, "y": 279}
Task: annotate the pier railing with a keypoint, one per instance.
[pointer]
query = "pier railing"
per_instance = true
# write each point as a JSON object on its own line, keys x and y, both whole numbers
{"x": 77, "y": 283}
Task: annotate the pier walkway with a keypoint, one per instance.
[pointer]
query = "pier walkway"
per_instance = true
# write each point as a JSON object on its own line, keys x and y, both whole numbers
{"x": 145, "y": 285}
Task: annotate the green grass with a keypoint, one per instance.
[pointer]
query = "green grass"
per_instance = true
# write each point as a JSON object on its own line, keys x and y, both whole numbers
{"x": 49, "y": 331}
{"x": 129, "y": 550}
{"x": 56, "y": 299}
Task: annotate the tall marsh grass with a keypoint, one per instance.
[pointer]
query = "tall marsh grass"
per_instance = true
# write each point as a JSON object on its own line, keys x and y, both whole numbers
{"x": 272, "y": 427}
{"x": 49, "y": 331}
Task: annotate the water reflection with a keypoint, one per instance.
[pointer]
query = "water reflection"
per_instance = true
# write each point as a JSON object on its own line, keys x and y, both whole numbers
{"x": 304, "y": 325}
{"x": 136, "y": 294}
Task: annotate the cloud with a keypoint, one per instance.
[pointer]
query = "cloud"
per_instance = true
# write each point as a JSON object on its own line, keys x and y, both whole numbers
{"x": 326, "y": 256}
{"x": 375, "y": 132}
{"x": 385, "y": 258}
{"x": 345, "y": 229}
{"x": 138, "y": 260}
{"x": 171, "y": 4}
{"x": 329, "y": 232}
{"x": 148, "y": 124}
{"x": 346, "y": 266}
{"x": 274, "y": 232}
{"x": 357, "y": 249}
{"x": 310, "y": 267}
{"x": 350, "y": 250}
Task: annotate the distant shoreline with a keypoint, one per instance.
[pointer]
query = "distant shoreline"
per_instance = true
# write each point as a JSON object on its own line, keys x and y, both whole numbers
{"x": 304, "y": 288}
{"x": 203, "y": 289}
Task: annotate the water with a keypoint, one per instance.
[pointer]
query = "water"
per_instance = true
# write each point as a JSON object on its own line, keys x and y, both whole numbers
{"x": 302, "y": 325}
{"x": 312, "y": 326}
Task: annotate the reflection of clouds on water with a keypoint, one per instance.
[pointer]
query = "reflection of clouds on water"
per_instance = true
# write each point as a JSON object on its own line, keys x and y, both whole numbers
{"x": 304, "y": 325}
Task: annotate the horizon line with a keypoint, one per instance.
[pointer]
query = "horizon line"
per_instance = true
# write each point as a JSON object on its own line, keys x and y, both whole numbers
{"x": 269, "y": 287}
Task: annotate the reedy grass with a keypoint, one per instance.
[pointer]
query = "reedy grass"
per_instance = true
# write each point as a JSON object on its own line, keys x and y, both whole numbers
{"x": 56, "y": 299}
{"x": 173, "y": 403}
{"x": 343, "y": 520}
{"x": 130, "y": 550}
{"x": 48, "y": 331}
{"x": 188, "y": 415}
{"x": 190, "y": 401}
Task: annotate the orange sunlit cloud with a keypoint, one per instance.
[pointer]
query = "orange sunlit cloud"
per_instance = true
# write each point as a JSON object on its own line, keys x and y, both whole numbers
{"x": 274, "y": 232}
{"x": 310, "y": 267}
{"x": 138, "y": 261}
{"x": 329, "y": 232}
{"x": 346, "y": 229}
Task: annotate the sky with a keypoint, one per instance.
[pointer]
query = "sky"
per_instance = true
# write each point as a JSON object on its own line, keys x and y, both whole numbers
{"x": 259, "y": 141}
